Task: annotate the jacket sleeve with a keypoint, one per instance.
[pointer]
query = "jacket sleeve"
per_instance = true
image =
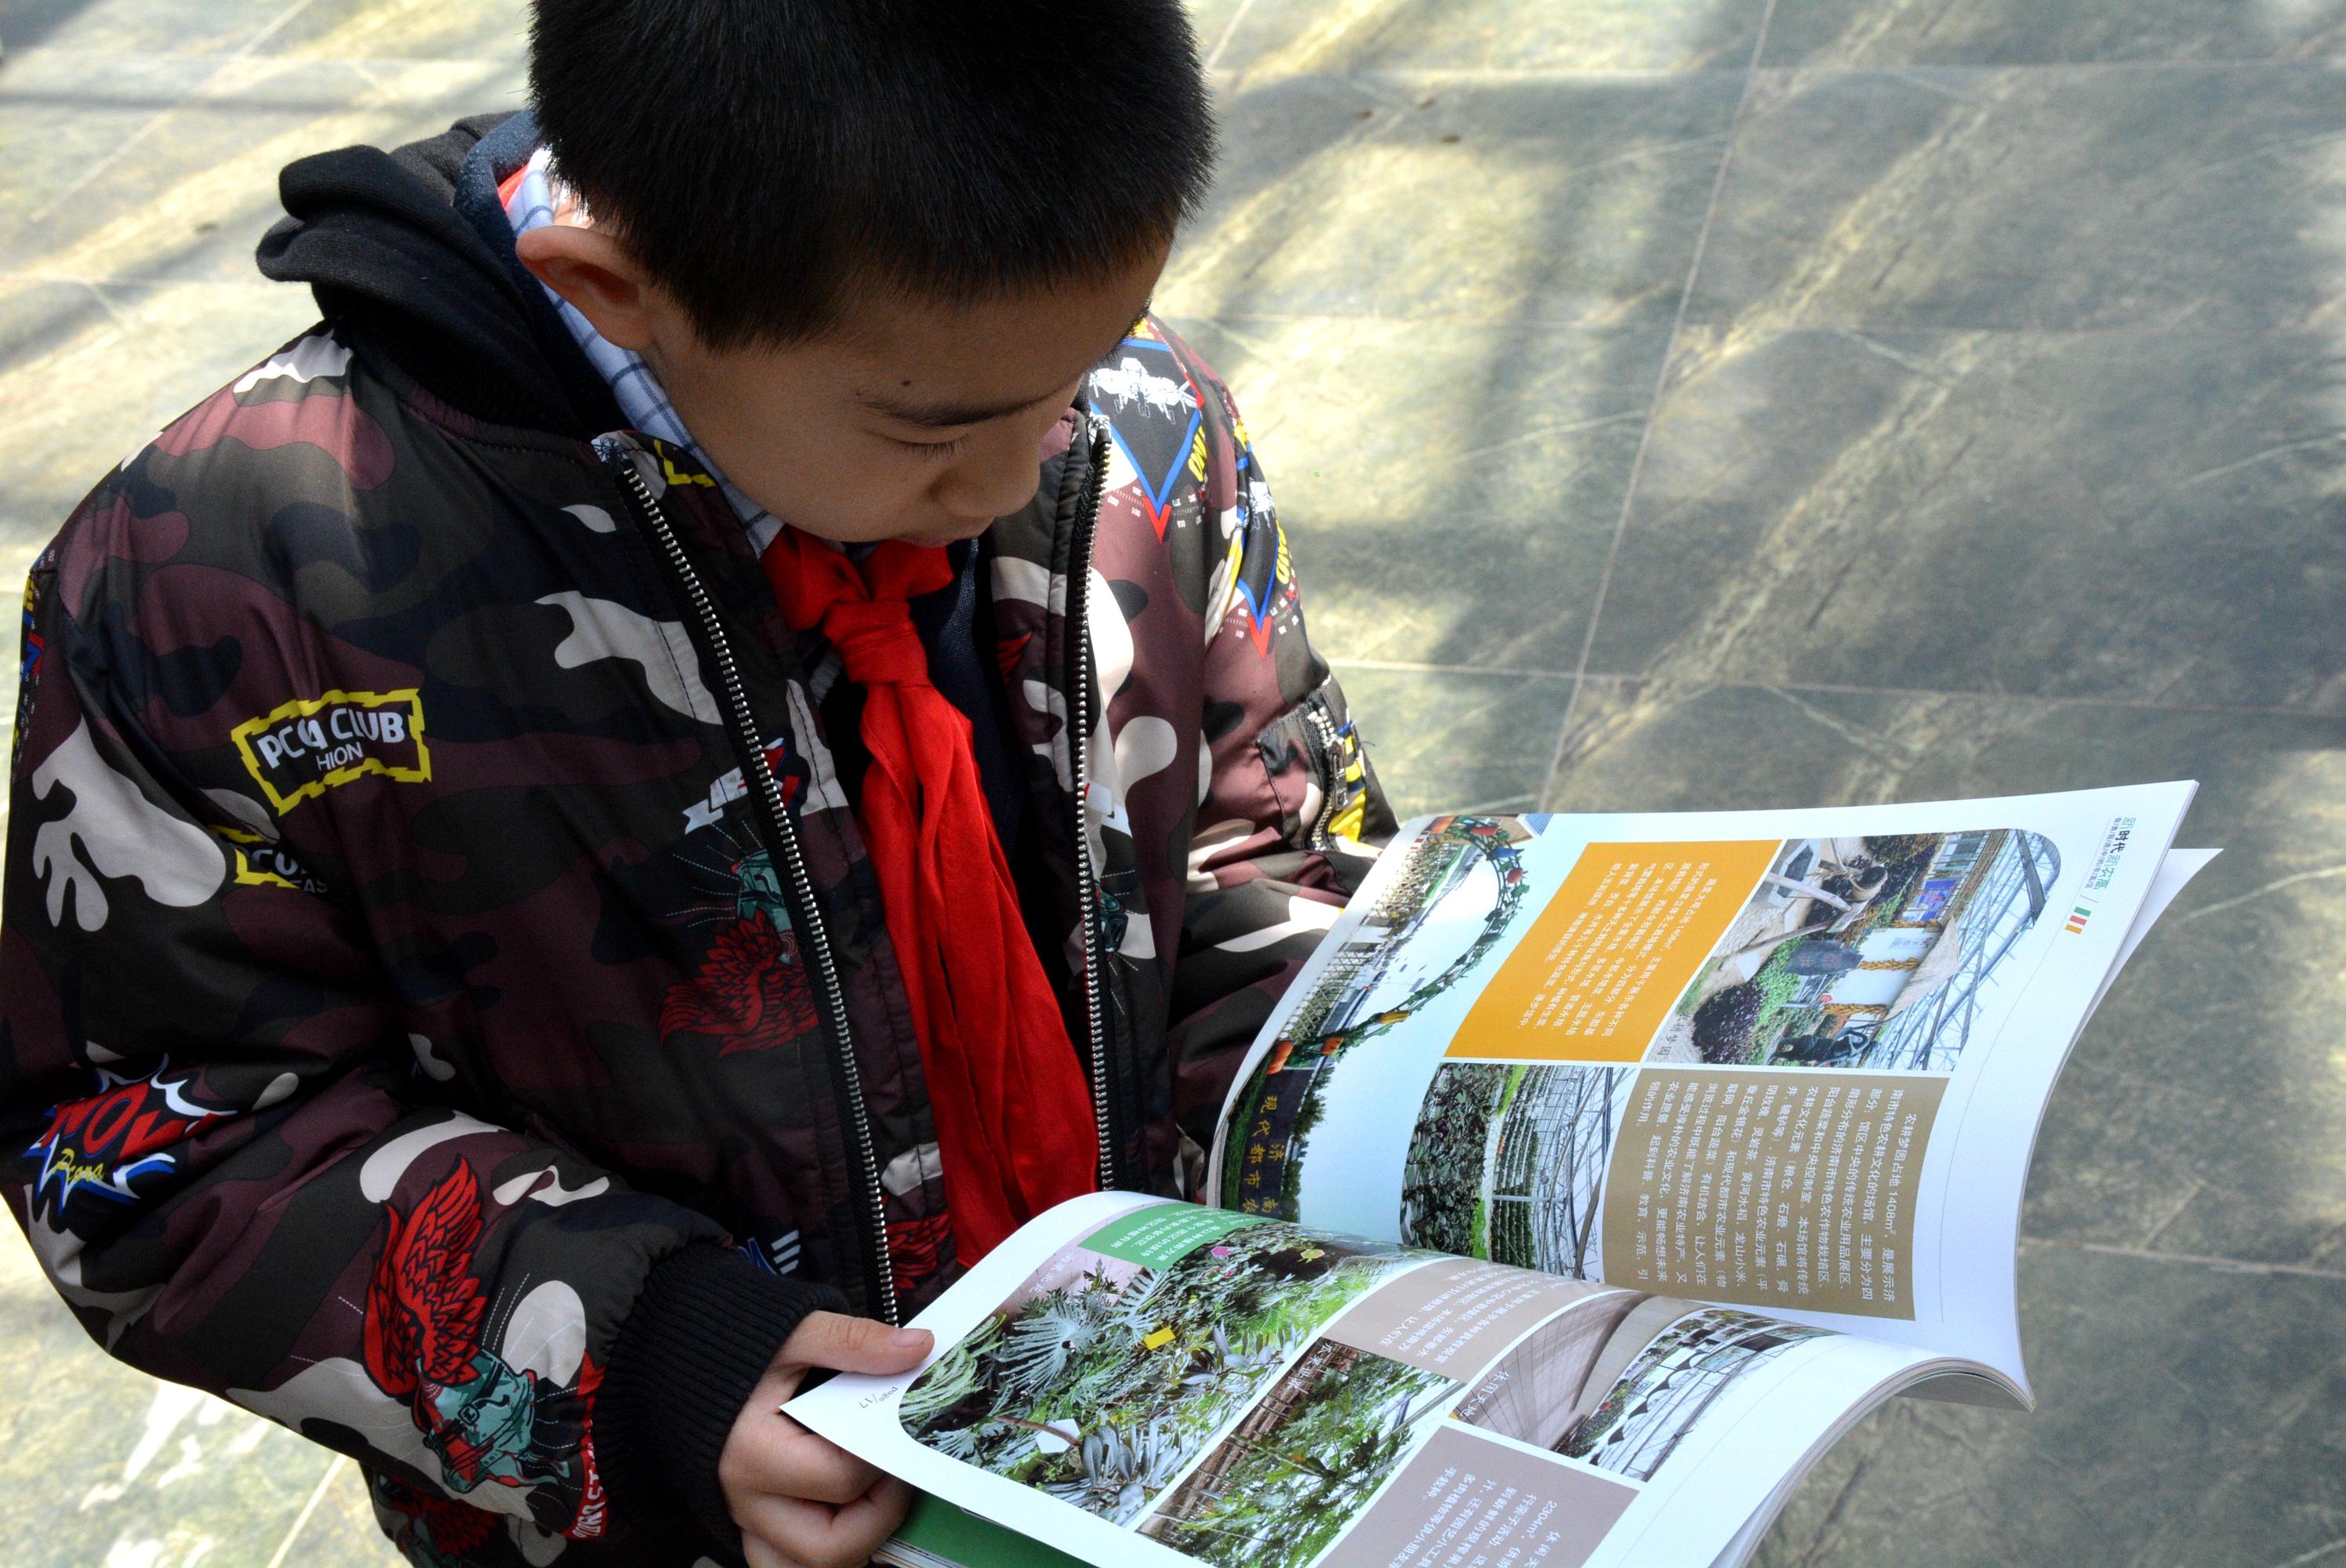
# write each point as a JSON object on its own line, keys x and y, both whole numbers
{"x": 239, "y": 1172}
{"x": 1291, "y": 815}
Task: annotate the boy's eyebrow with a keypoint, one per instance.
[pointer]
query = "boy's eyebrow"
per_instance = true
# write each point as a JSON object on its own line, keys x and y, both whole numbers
{"x": 946, "y": 415}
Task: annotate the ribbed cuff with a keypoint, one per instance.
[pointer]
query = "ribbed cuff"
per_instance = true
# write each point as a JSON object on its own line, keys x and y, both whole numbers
{"x": 703, "y": 1331}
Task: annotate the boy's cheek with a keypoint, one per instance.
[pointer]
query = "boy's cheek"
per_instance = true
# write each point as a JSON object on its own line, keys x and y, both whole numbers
{"x": 823, "y": 489}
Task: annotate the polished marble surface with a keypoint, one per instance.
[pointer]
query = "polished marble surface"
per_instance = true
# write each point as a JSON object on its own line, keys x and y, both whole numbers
{"x": 1441, "y": 469}
{"x": 1672, "y": 404}
{"x": 2051, "y": 31}
{"x": 1532, "y": 197}
{"x": 2190, "y": 197}
{"x": 2143, "y": 515}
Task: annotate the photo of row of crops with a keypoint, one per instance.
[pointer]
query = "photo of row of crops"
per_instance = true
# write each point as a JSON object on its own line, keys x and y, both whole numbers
{"x": 1304, "y": 1463}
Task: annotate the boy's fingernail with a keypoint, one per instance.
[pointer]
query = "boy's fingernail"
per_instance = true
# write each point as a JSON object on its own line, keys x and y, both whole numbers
{"x": 910, "y": 1339}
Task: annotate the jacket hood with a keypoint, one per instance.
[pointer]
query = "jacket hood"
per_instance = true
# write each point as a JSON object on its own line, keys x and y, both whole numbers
{"x": 411, "y": 258}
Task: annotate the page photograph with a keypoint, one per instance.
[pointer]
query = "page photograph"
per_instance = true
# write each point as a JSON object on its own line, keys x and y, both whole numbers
{"x": 1304, "y": 1463}
{"x": 1877, "y": 952}
{"x": 1507, "y": 1162}
{"x": 1434, "y": 916}
{"x": 1107, "y": 1370}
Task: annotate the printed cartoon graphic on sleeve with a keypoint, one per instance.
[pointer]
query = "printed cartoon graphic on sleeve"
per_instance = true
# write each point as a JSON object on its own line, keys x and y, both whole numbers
{"x": 108, "y": 1143}
{"x": 488, "y": 1422}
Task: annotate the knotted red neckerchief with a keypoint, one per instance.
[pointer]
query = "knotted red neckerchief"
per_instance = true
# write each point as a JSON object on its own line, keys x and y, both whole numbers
{"x": 1013, "y": 1117}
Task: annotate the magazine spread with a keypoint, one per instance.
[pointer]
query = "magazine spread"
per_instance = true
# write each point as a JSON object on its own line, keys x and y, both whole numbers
{"x": 1595, "y": 1175}
{"x": 1749, "y": 1057}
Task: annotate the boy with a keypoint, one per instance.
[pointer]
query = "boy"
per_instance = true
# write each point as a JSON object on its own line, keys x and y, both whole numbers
{"x": 733, "y": 724}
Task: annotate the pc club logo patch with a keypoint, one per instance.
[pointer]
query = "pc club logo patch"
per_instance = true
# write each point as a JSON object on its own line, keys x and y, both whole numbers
{"x": 305, "y": 747}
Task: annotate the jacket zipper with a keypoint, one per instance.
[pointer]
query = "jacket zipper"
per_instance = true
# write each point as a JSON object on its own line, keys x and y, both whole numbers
{"x": 1330, "y": 781}
{"x": 783, "y": 841}
{"x": 1081, "y": 717}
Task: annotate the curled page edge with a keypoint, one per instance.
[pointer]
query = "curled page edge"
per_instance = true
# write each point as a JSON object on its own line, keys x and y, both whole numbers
{"x": 2173, "y": 874}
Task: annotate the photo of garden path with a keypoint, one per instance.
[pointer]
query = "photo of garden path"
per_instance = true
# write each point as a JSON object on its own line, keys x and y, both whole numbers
{"x": 1878, "y": 953}
{"x": 1458, "y": 892}
{"x": 1305, "y": 1461}
{"x": 1507, "y": 1162}
{"x": 1099, "y": 1379}
{"x": 1620, "y": 1380}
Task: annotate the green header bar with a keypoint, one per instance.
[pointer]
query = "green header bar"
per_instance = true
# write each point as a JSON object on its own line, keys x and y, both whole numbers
{"x": 1163, "y": 1234}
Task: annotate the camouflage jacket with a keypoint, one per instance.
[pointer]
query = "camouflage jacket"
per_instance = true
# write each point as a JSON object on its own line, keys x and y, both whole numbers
{"x": 434, "y": 918}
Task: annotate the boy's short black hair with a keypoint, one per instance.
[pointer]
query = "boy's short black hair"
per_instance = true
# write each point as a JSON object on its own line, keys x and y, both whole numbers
{"x": 762, "y": 157}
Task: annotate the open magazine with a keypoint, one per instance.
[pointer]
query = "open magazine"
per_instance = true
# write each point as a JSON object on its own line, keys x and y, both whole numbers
{"x": 1594, "y": 1174}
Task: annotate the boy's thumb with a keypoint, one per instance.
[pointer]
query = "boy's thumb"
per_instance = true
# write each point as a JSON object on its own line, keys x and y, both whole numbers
{"x": 848, "y": 1344}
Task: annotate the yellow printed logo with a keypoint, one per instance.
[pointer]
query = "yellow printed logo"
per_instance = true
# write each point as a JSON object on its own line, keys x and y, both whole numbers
{"x": 305, "y": 747}
{"x": 260, "y": 863}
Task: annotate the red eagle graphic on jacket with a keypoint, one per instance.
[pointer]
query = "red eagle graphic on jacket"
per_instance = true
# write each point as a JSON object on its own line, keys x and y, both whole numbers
{"x": 750, "y": 993}
{"x": 486, "y": 1422}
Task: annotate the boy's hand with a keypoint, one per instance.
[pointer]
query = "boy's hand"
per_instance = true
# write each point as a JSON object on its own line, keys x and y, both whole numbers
{"x": 802, "y": 1501}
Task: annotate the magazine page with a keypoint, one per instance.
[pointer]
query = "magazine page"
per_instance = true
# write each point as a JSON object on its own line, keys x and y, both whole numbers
{"x": 1790, "y": 1060}
{"x": 1131, "y": 1380}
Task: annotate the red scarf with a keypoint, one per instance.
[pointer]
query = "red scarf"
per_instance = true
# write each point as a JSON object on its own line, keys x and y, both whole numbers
{"x": 1013, "y": 1112}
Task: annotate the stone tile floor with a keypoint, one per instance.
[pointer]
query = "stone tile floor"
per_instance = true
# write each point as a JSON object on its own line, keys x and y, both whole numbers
{"x": 1674, "y": 403}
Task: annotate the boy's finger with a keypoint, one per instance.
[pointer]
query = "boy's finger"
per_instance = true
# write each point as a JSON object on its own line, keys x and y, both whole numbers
{"x": 785, "y": 1460}
{"x": 823, "y": 1537}
{"x": 758, "y": 1554}
{"x": 846, "y": 1344}
{"x": 880, "y": 1508}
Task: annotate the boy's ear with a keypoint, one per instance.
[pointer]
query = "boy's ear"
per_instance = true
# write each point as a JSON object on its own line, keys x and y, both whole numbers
{"x": 592, "y": 271}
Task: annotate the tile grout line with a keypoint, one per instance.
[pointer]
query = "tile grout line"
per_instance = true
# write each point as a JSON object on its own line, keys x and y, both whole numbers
{"x": 1230, "y": 31}
{"x": 317, "y": 1495}
{"x": 1653, "y": 411}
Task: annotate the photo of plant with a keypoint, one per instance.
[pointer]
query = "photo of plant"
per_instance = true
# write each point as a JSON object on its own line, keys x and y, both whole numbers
{"x": 1304, "y": 1463}
{"x": 1099, "y": 1379}
{"x": 1672, "y": 1383}
{"x": 1877, "y": 952}
{"x": 1507, "y": 1162}
{"x": 1461, "y": 888}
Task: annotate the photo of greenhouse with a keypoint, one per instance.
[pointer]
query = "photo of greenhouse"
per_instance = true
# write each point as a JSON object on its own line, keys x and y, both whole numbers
{"x": 1671, "y": 1382}
{"x": 1507, "y": 1162}
{"x": 1618, "y": 1381}
{"x": 1881, "y": 952}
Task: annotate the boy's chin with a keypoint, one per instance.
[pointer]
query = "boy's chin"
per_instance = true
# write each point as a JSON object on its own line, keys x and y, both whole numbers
{"x": 950, "y": 532}
{"x": 935, "y": 534}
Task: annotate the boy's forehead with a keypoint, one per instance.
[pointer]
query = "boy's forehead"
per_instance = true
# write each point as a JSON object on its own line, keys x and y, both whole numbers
{"x": 956, "y": 362}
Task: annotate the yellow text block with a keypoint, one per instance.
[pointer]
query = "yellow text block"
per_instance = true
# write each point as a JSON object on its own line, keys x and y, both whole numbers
{"x": 1612, "y": 951}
